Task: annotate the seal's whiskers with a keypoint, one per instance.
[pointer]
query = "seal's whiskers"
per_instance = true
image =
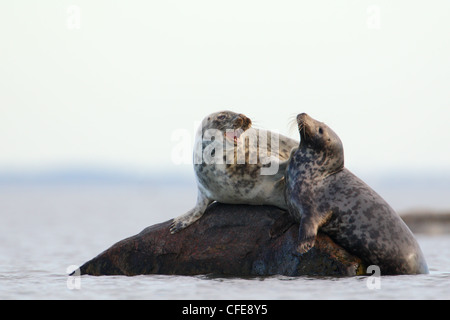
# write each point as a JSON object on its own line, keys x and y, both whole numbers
{"x": 292, "y": 124}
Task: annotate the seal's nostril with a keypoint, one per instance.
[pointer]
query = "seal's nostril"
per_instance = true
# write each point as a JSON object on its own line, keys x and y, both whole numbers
{"x": 246, "y": 121}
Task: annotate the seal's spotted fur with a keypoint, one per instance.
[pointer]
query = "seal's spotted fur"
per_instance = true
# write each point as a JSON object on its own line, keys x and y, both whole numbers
{"x": 236, "y": 182}
{"x": 321, "y": 193}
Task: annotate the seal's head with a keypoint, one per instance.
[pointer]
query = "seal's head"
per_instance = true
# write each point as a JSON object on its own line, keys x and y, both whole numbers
{"x": 322, "y": 143}
{"x": 230, "y": 123}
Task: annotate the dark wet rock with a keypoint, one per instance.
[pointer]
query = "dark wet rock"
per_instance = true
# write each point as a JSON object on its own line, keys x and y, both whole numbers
{"x": 233, "y": 240}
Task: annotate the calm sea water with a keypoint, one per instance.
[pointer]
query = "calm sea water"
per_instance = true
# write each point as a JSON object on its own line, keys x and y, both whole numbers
{"x": 46, "y": 229}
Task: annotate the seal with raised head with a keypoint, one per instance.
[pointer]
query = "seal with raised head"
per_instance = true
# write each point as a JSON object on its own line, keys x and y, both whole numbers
{"x": 321, "y": 193}
{"x": 236, "y": 164}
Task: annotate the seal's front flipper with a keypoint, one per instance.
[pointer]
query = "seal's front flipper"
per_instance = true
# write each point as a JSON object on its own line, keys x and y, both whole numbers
{"x": 307, "y": 234}
{"x": 310, "y": 222}
{"x": 191, "y": 216}
{"x": 305, "y": 244}
{"x": 185, "y": 220}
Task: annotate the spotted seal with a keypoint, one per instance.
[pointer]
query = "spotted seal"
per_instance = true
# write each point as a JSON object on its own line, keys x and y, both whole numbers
{"x": 237, "y": 164}
{"x": 322, "y": 193}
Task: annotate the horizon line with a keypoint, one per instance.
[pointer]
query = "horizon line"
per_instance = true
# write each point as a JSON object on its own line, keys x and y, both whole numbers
{"x": 173, "y": 174}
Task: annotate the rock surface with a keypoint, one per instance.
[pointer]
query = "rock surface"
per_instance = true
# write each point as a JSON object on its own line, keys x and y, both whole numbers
{"x": 233, "y": 240}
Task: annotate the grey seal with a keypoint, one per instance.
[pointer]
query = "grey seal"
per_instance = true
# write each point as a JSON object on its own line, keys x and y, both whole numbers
{"x": 322, "y": 193}
{"x": 235, "y": 163}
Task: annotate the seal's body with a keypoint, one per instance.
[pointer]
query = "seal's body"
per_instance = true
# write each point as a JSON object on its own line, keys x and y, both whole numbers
{"x": 321, "y": 193}
{"x": 237, "y": 164}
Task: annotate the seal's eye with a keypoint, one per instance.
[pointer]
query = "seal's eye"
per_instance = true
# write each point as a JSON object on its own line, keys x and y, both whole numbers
{"x": 320, "y": 131}
{"x": 221, "y": 117}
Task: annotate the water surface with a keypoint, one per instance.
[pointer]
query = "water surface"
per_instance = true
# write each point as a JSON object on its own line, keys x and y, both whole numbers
{"x": 46, "y": 229}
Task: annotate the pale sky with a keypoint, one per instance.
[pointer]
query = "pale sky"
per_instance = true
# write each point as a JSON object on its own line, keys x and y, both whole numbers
{"x": 113, "y": 91}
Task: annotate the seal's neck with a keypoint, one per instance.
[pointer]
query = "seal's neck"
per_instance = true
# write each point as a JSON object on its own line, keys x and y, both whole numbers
{"x": 322, "y": 163}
